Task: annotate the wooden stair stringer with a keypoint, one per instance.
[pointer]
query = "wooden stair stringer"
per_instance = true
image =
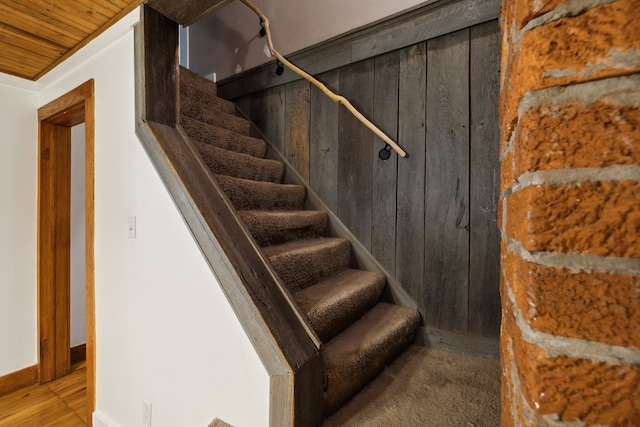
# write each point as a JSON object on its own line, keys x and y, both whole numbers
{"x": 279, "y": 333}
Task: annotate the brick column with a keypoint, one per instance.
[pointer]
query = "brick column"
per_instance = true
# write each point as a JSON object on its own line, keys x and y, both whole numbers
{"x": 570, "y": 212}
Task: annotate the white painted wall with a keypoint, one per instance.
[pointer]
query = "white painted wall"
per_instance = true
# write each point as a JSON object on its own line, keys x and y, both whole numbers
{"x": 165, "y": 331}
{"x": 227, "y": 41}
{"x": 78, "y": 237}
{"x": 18, "y": 175}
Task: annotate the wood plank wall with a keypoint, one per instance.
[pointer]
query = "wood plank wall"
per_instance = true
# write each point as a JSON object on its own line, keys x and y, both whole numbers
{"x": 430, "y": 218}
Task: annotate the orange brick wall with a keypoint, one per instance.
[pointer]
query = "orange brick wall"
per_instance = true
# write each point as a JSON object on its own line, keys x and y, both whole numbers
{"x": 570, "y": 212}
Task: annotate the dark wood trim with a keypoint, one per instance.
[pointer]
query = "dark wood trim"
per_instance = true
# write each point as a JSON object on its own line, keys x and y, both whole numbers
{"x": 78, "y": 353}
{"x": 458, "y": 343}
{"x": 424, "y": 23}
{"x": 161, "y": 85}
{"x": 19, "y": 379}
{"x": 280, "y": 334}
{"x": 186, "y": 12}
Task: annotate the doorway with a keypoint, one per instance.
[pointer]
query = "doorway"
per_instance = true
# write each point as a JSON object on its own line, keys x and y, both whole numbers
{"x": 54, "y": 235}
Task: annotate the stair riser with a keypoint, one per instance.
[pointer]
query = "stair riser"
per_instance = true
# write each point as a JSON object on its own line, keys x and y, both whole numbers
{"x": 213, "y": 102}
{"x": 299, "y": 270}
{"x": 358, "y": 354}
{"x": 253, "y": 195}
{"x": 340, "y": 391}
{"x": 340, "y": 304}
{"x": 222, "y": 138}
{"x": 194, "y": 80}
{"x": 203, "y": 112}
{"x": 224, "y": 162}
{"x": 271, "y": 231}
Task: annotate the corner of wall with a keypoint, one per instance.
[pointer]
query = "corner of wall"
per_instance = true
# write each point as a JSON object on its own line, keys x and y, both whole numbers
{"x": 570, "y": 126}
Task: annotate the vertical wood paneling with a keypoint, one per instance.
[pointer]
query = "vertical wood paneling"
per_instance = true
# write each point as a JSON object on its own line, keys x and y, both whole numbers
{"x": 354, "y": 162}
{"x": 244, "y": 105}
{"x": 323, "y": 150}
{"x": 484, "y": 254}
{"x": 428, "y": 218}
{"x": 276, "y": 117}
{"x": 447, "y": 188}
{"x": 410, "y": 231}
{"x": 385, "y": 172}
{"x": 258, "y": 106}
{"x": 296, "y": 136}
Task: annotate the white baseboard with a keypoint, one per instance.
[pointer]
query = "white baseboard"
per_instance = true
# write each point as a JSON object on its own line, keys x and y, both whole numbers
{"x": 100, "y": 420}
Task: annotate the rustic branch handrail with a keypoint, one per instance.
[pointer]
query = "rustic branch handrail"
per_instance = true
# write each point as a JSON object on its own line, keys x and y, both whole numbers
{"x": 336, "y": 98}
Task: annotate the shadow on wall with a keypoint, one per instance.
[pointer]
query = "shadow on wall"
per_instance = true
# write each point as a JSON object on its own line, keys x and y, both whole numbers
{"x": 227, "y": 43}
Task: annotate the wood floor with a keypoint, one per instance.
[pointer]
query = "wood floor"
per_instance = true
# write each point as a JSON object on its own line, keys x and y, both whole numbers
{"x": 60, "y": 403}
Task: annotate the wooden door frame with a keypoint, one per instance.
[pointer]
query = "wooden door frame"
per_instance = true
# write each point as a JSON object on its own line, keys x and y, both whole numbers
{"x": 54, "y": 181}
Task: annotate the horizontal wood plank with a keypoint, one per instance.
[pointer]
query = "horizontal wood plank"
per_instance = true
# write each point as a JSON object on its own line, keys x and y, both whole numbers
{"x": 436, "y": 20}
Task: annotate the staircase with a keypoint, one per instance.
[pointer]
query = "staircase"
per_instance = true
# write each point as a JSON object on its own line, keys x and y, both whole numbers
{"x": 360, "y": 333}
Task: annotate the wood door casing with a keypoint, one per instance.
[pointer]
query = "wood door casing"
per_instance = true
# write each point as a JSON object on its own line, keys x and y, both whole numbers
{"x": 54, "y": 202}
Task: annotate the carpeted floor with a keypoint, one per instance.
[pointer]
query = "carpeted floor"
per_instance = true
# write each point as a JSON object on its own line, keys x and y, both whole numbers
{"x": 427, "y": 387}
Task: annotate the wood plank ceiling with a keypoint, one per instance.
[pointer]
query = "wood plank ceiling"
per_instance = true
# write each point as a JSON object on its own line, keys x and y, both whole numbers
{"x": 37, "y": 35}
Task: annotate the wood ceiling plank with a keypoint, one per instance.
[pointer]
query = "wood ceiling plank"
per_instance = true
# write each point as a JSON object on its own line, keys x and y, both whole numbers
{"x": 12, "y": 53}
{"x": 132, "y": 5}
{"x": 37, "y": 35}
{"x": 18, "y": 13}
{"x": 119, "y": 3}
{"x": 103, "y": 7}
{"x": 29, "y": 42}
{"x": 98, "y": 11}
{"x": 63, "y": 36}
{"x": 21, "y": 63}
{"x": 62, "y": 14}
{"x": 18, "y": 70}
{"x": 83, "y": 14}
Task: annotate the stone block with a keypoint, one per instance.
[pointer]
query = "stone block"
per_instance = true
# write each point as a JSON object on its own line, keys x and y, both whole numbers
{"x": 598, "y": 218}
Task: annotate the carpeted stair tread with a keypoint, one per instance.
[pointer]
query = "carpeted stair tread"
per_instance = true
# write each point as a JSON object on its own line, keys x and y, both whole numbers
{"x": 302, "y": 263}
{"x": 277, "y": 227}
{"x": 246, "y": 194}
{"x": 360, "y": 352}
{"x": 213, "y": 102}
{"x": 223, "y": 138}
{"x": 360, "y": 335}
{"x": 239, "y": 165}
{"x": 200, "y": 110}
{"x": 195, "y": 80}
{"x": 339, "y": 300}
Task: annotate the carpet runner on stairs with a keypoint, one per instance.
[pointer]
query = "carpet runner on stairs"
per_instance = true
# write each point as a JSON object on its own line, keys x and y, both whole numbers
{"x": 360, "y": 333}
